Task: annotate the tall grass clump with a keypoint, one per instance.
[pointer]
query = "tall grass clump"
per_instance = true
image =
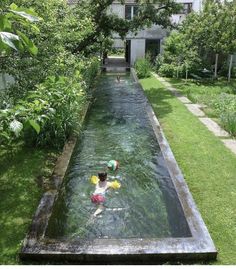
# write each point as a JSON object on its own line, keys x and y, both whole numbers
{"x": 225, "y": 105}
{"x": 143, "y": 68}
{"x": 228, "y": 120}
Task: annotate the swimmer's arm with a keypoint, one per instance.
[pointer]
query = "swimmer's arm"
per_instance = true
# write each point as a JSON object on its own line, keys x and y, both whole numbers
{"x": 109, "y": 185}
{"x": 114, "y": 184}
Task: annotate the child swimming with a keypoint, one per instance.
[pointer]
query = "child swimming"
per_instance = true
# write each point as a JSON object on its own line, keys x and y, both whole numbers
{"x": 102, "y": 185}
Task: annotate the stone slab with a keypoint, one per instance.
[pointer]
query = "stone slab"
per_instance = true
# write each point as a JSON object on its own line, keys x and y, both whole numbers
{"x": 167, "y": 84}
{"x": 184, "y": 100}
{"x": 214, "y": 127}
{"x": 194, "y": 108}
{"x": 231, "y": 144}
{"x": 174, "y": 91}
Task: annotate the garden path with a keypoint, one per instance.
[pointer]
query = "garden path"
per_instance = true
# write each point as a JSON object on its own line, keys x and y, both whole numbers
{"x": 196, "y": 110}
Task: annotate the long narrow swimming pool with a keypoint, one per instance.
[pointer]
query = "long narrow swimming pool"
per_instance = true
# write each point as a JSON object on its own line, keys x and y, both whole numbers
{"x": 151, "y": 218}
{"x": 146, "y": 206}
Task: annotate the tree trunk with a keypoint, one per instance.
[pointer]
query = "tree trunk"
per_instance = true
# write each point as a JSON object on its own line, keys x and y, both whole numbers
{"x": 230, "y": 67}
{"x": 4, "y": 82}
{"x": 216, "y": 65}
{"x": 186, "y": 75}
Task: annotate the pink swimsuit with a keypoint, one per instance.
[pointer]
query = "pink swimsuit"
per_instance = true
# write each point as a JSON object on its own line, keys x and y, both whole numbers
{"x": 98, "y": 196}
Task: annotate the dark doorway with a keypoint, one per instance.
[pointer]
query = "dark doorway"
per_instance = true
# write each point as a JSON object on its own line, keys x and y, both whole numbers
{"x": 127, "y": 50}
{"x": 152, "y": 48}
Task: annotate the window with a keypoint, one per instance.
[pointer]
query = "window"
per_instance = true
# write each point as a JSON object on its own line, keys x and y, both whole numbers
{"x": 130, "y": 12}
{"x": 187, "y": 8}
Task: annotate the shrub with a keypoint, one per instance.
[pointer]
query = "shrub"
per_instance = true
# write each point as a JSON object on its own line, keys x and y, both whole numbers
{"x": 228, "y": 120}
{"x": 47, "y": 116}
{"x": 158, "y": 62}
{"x": 91, "y": 71}
{"x": 66, "y": 99}
{"x": 170, "y": 70}
{"x": 143, "y": 68}
{"x": 233, "y": 72}
{"x": 225, "y": 103}
{"x": 225, "y": 106}
{"x": 51, "y": 113}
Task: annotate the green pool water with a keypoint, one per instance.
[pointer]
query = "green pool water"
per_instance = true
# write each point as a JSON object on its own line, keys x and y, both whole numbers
{"x": 146, "y": 205}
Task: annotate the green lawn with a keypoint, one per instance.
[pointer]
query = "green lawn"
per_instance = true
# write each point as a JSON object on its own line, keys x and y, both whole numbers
{"x": 21, "y": 188}
{"x": 208, "y": 166}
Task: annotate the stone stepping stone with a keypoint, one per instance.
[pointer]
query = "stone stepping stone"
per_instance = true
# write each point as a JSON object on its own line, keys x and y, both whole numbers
{"x": 158, "y": 77}
{"x": 214, "y": 127}
{"x": 195, "y": 110}
{"x": 184, "y": 100}
{"x": 167, "y": 84}
{"x": 231, "y": 144}
{"x": 174, "y": 91}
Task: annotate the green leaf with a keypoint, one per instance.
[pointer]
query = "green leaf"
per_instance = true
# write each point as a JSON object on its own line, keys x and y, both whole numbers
{"x": 5, "y": 135}
{"x": 26, "y": 15}
{"x": 13, "y": 6}
{"x": 35, "y": 28}
{"x": 5, "y": 25}
{"x": 28, "y": 43}
{"x": 7, "y": 39}
{"x": 35, "y": 125}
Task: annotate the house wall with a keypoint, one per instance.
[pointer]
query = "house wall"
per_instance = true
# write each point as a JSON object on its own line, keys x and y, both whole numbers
{"x": 138, "y": 41}
{"x": 137, "y": 50}
{"x": 197, "y": 6}
{"x": 117, "y": 9}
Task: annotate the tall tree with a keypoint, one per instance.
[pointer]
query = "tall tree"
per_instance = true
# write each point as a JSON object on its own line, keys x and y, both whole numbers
{"x": 228, "y": 19}
{"x": 213, "y": 30}
{"x": 106, "y": 23}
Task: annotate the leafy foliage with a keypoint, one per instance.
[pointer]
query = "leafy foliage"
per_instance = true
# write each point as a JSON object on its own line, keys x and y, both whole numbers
{"x": 10, "y": 36}
{"x": 53, "y": 82}
{"x": 49, "y": 114}
{"x": 228, "y": 120}
{"x": 106, "y": 23}
{"x": 179, "y": 57}
{"x": 143, "y": 68}
{"x": 199, "y": 37}
{"x": 225, "y": 103}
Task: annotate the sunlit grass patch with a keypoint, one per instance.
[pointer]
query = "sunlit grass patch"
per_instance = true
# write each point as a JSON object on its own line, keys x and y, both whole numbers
{"x": 20, "y": 194}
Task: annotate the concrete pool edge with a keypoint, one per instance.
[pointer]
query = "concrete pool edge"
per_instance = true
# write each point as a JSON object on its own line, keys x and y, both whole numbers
{"x": 112, "y": 251}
